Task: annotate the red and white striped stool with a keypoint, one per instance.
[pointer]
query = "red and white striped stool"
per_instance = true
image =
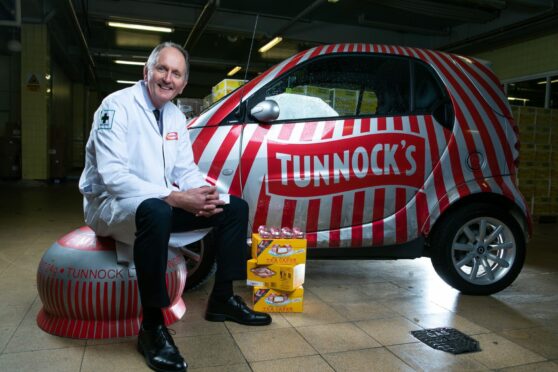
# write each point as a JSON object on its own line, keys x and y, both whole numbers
{"x": 87, "y": 294}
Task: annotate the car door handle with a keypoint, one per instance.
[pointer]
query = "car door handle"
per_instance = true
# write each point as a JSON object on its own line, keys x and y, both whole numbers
{"x": 227, "y": 172}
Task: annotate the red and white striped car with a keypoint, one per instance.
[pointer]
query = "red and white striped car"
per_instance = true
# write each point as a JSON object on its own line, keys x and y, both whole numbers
{"x": 376, "y": 151}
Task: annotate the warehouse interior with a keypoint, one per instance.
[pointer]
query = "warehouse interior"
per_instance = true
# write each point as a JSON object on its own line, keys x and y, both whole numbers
{"x": 60, "y": 58}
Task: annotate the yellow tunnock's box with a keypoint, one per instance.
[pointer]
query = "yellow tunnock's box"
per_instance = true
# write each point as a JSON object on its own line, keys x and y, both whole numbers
{"x": 278, "y": 251}
{"x": 282, "y": 277}
{"x": 273, "y": 301}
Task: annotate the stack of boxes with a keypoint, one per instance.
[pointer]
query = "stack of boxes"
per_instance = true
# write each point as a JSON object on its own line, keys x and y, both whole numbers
{"x": 538, "y": 167}
{"x": 344, "y": 101}
{"x": 224, "y": 87}
{"x": 276, "y": 271}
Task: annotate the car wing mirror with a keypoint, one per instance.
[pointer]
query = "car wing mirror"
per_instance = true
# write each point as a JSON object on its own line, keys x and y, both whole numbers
{"x": 265, "y": 111}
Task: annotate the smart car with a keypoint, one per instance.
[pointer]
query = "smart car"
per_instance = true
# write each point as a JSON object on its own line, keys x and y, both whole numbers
{"x": 376, "y": 151}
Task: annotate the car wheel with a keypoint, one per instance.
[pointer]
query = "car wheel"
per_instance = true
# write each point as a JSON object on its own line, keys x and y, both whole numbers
{"x": 200, "y": 261}
{"x": 478, "y": 249}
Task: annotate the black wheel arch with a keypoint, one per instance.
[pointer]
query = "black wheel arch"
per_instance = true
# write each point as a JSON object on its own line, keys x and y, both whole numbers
{"x": 499, "y": 201}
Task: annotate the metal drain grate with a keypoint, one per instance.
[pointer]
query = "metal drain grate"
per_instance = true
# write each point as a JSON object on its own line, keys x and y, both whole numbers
{"x": 447, "y": 339}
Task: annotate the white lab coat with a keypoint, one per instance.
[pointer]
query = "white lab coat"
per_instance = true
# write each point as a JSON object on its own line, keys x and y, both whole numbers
{"x": 127, "y": 161}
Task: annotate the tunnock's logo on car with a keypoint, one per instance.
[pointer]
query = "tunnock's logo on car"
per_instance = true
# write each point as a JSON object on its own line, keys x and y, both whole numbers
{"x": 341, "y": 165}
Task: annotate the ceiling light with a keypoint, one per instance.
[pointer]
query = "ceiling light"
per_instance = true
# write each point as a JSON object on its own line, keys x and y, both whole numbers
{"x": 234, "y": 71}
{"x": 332, "y": 1}
{"x": 544, "y": 81}
{"x": 126, "y": 82}
{"x": 124, "y": 62}
{"x": 134, "y": 26}
{"x": 518, "y": 99}
{"x": 271, "y": 44}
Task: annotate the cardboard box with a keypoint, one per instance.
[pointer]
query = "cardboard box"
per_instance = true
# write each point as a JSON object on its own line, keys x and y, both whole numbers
{"x": 527, "y": 155}
{"x": 309, "y": 90}
{"x": 282, "y": 277}
{"x": 273, "y": 301}
{"x": 541, "y": 138}
{"x": 278, "y": 251}
{"x": 369, "y": 103}
{"x": 224, "y": 87}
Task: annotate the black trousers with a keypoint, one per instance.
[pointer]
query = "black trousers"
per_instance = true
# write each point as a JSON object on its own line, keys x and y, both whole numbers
{"x": 155, "y": 220}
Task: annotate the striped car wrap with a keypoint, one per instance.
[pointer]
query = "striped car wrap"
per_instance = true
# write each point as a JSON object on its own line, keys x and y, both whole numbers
{"x": 477, "y": 156}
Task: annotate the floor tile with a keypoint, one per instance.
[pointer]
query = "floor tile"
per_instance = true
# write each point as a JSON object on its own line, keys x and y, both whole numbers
{"x": 338, "y": 293}
{"x": 384, "y": 291}
{"x": 542, "y": 314}
{"x": 367, "y": 360}
{"x": 362, "y": 310}
{"x": 498, "y": 352}
{"x": 18, "y": 290}
{"x": 60, "y": 360}
{"x": 6, "y": 332}
{"x": 539, "y": 367}
{"x": 278, "y": 321}
{"x": 450, "y": 320}
{"x": 243, "y": 367}
{"x": 330, "y": 338}
{"x": 424, "y": 358}
{"x": 539, "y": 340}
{"x": 314, "y": 313}
{"x": 110, "y": 341}
{"x": 273, "y": 344}
{"x": 389, "y": 331}
{"x": 413, "y": 306}
{"x": 12, "y": 315}
{"x": 492, "y": 314}
{"x": 115, "y": 357}
{"x": 29, "y": 336}
{"x": 194, "y": 324}
{"x": 313, "y": 363}
{"x": 209, "y": 351}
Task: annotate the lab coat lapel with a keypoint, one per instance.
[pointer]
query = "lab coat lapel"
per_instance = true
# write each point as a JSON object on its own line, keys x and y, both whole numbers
{"x": 142, "y": 98}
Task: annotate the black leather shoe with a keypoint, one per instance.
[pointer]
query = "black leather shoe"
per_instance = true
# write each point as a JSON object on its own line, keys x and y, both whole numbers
{"x": 159, "y": 350}
{"x": 235, "y": 309}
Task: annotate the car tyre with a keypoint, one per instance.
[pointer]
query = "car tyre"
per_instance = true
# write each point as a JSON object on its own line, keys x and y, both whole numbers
{"x": 200, "y": 261}
{"x": 478, "y": 249}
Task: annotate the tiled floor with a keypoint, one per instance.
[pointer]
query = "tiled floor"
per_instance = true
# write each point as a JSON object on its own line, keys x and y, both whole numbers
{"x": 358, "y": 314}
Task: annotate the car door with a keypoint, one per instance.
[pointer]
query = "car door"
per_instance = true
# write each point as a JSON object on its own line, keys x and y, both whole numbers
{"x": 346, "y": 151}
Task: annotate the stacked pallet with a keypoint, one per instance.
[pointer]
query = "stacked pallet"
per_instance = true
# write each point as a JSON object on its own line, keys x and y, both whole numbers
{"x": 538, "y": 168}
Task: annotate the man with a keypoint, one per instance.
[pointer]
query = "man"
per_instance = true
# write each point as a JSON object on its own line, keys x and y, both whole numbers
{"x": 140, "y": 183}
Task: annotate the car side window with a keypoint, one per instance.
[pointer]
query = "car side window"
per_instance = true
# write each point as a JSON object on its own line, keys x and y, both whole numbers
{"x": 426, "y": 90}
{"x": 340, "y": 86}
{"x": 429, "y": 97}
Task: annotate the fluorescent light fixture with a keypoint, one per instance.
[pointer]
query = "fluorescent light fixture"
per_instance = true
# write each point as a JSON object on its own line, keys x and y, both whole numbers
{"x": 271, "y": 44}
{"x": 544, "y": 82}
{"x": 124, "y": 62}
{"x": 234, "y": 71}
{"x": 135, "y": 26}
{"x": 126, "y": 82}
{"x": 518, "y": 99}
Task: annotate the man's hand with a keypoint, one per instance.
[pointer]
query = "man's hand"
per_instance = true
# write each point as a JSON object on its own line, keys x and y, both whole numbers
{"x": 203, "y": 201}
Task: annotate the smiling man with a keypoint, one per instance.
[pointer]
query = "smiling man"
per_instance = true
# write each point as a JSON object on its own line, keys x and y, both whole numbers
{"x": 140, "y": 183}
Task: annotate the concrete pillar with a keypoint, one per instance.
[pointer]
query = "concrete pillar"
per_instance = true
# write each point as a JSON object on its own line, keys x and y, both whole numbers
{"x": 35, "y": 101}
{"x": 78, "y": 123}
